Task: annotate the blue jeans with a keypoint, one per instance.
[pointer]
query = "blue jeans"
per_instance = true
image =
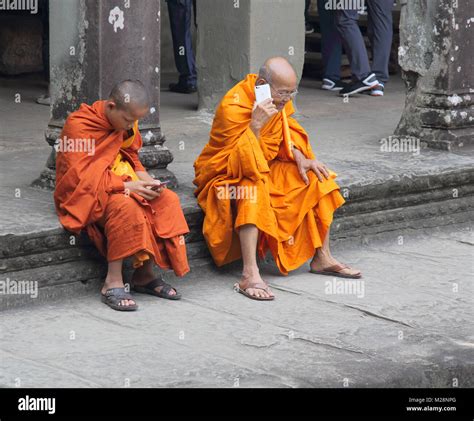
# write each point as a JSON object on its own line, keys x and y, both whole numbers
{"x": 331, "y": 43}
{"x": 180, "y": 12}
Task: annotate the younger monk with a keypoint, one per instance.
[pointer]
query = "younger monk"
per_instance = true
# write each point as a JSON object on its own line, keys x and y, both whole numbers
{"x": 261, "y": 187}
{"x": 109, "y": 194}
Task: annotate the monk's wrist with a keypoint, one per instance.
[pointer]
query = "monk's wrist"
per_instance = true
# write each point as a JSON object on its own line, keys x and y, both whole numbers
{"x": 255, "y": 129}
{"x": 297, "y": 154}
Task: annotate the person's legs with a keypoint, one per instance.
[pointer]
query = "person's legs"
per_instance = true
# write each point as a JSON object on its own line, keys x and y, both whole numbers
{"x": 331, "y": 43}
{"x": 380, "y": 34}
{"x": 248, "y": 235}
{"x": 307, "y": 3}
{"x": 144, "y": 274}
{"x": 323, "y": 259}
{"x": 114, "y": 279}
{"x": 180, "y": 13}
{"x": 307, "y": 24}
{"x": 348, "y": 27}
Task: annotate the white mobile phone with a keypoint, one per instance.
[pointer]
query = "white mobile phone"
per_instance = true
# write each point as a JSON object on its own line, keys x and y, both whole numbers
{"x": 262, "y": 92}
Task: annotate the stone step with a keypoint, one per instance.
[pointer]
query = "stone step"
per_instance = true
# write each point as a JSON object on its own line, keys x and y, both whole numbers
{"x": 40, "y": 250}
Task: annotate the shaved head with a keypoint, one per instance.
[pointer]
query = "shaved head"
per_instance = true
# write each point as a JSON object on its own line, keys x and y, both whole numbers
{"x": 128, "y": 102}
{"x": 280, "y": 75}
{"x": 278, "y": 70}
{"x": 130, "y": 93}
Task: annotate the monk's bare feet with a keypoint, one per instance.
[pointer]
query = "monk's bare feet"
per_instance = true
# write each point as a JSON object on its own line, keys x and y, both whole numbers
{"x": 323, "y": 260}
{"x": 144, "y": 274}
{"x": 111, "y": 282}
{"x": 251, "y": 277}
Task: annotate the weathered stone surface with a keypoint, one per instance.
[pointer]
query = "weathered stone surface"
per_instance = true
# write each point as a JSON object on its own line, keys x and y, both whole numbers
{"x": 422, "y": 199}
{"x": 436, "y": 44}
{"x": 409, "y": 328}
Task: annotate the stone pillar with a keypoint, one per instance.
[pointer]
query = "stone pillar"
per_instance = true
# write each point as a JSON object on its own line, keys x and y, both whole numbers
{"x": 94, "y": 45}
{"x": 237, "y": 37}
{"x": 436, "y": 56}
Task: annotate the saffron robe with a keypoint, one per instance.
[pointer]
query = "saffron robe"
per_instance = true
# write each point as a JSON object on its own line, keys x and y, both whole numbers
{"x": 293, "y": 218}
{"x": 90, "y": 196}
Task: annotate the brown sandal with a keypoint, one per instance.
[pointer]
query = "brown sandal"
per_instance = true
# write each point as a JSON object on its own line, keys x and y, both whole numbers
{"x": 256, "y": 285}
{"x": 335, "y": 270}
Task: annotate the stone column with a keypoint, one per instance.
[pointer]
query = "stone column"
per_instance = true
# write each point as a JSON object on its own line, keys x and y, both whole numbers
{"x": 94, "y": 45}
{"x": 237, "y": 37}
{"x": 436, "y": 56}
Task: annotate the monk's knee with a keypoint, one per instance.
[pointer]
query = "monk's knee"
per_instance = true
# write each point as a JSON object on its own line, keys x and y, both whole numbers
{"x": 166, "y": 198}
{"x": 123, "y": 206}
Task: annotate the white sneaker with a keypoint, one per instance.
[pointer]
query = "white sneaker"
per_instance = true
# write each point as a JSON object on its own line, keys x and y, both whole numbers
{"x": 378, "y": 90}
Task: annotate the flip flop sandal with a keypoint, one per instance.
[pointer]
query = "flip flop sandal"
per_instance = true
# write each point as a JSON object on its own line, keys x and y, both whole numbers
{"x": 149, "y": 288}
{"x": 256, "y": 285}
{"x": 335, "y": 270}
{"x": 114, "y": 296}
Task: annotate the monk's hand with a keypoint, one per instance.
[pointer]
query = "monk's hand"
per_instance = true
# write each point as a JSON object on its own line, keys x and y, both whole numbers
{"x": 305, "y": 165}
{"x": 262, "y": 112}
{"x": 143, "y": 188}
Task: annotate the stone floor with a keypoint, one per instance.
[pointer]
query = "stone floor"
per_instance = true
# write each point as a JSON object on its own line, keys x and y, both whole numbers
{"x": 408, "y": 322}
{"x": 411, "y": 326}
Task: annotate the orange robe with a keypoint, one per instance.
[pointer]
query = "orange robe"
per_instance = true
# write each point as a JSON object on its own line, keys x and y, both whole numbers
{"x": 244, "y": 180}
{"x": 90, "y": 196}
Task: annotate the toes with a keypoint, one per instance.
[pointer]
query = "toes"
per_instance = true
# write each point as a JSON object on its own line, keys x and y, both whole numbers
{"x": 127, "y": 303}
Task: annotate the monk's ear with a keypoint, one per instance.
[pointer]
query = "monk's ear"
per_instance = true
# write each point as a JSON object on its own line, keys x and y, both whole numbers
{"x": 110, "y": 105}
{"x": 260, "y": 81}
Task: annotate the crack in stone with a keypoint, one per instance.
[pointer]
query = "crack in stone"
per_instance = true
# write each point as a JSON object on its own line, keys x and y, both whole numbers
{"x": 106, "y": 320}
{"x": 414, "y": 255}
{"x": 325, "y": 344}
{"x": 465, "y": 242}
{"x": 311, "y": 296}
{"x": 285, "y": 289}
{"x": 379, "y": 316}
{"x": 255, "y": 345}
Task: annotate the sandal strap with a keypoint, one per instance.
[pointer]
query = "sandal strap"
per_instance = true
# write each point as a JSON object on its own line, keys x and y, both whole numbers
{"x": 117, "y": 294}
{"x": 335, "y": 268}
{"x": 157, "y": 282}
{"x": 256, "y": 285}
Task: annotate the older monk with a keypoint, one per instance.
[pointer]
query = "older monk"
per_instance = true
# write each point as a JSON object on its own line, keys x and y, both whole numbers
{"x": 261, "y": 187}
{"x": 107, "y": 192}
